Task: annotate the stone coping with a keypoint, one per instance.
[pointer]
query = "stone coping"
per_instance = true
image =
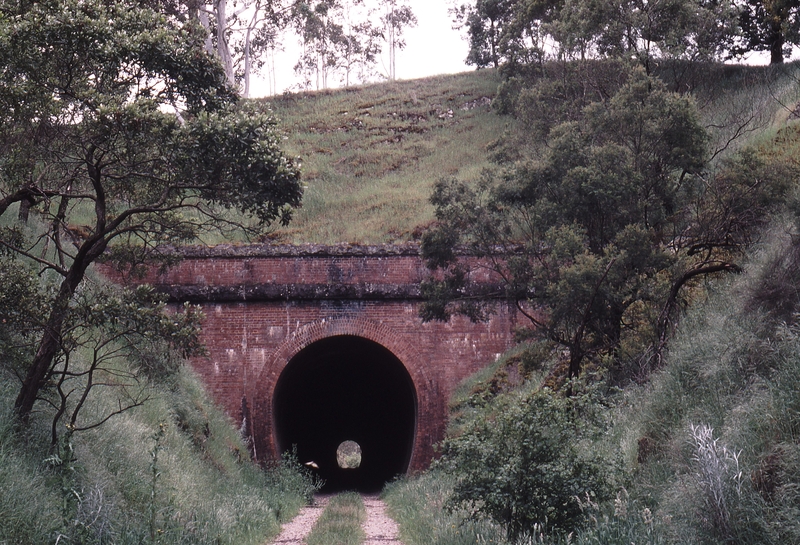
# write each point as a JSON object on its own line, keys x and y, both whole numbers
{"x": 403, "y": 249}
{"x": 309, "y": 292}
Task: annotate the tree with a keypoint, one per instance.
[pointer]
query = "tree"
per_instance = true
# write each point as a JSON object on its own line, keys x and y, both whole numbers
{"x": 584, "y": 239}
{"x": 485, "y": 23}
{"x": 336, "y": 40}
{"x": 693, "y": 30}
{"x": 512, "y": 32}
{"x": 769, "y": 25}
{"x": 123, "y": 135}
{"x": 262, "y": 22}
{"x": 243, "y": 38}
{"x": 320, "y": 32}
{"x": 116, "y": 339}
{"x": 397, "y": 15}
{"x": 361, "y": 44}
{"x": 505, "y": 31}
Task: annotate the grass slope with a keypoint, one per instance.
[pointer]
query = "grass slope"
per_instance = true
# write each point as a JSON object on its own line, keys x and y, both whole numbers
{"x": 371, "y": 154}
{"x": 172, "y": 471}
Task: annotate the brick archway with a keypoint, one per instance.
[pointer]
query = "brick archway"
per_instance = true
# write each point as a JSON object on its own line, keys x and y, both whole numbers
{"x": 264, "y": 304}
{"x": 428, "y": 398}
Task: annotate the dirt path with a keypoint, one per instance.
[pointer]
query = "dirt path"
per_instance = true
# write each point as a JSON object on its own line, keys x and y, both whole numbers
{"x": 295, "y": 531}
{"x": 379, "y": 528}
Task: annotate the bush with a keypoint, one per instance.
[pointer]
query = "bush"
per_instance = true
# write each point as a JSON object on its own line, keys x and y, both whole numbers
{"x": 527, "y": 466}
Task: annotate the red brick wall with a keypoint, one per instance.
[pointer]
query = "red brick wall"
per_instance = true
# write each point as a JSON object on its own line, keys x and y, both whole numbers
{"x": 250, "y": 341}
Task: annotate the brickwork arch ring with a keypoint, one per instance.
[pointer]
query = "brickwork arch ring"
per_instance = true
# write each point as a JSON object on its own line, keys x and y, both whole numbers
{"x": 430, "y": 404}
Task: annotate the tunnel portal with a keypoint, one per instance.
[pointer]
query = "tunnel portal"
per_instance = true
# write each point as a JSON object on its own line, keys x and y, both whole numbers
{"x": 347, "y": 388}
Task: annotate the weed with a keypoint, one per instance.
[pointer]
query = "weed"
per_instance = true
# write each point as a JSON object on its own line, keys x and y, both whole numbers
{"x": 417, "y": 504}
{"x": 718, "y": 476}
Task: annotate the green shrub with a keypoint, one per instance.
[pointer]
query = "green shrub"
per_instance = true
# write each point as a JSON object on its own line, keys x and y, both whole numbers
{"x": 527, "y": 466}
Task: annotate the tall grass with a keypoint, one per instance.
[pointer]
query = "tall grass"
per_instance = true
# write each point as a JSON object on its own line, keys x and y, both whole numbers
{"x": 418, "y": 506}
{"x": 717, "y": 429}
{"x": 746, "y": 105}
{"x": 172, "y": 471}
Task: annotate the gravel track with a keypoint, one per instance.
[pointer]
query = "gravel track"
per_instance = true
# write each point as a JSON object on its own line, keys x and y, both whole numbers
{"x": 295, "y": 531}
{"x": 379, "y": 528}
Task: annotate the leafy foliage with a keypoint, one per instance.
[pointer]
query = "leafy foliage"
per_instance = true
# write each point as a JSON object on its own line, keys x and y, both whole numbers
{"x": 595, "y": 235}
{"x": 584, "y": 229}
{"x": 22, "y": 306}
{"x": 519, "y": 35}
{"x": 121, "y": 133}
{"x": 528, "y": 464}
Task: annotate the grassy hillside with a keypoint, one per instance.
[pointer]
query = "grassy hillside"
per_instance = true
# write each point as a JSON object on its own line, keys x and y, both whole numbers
{"x": 172, "y": 471}
{"x": 371, "y": 154}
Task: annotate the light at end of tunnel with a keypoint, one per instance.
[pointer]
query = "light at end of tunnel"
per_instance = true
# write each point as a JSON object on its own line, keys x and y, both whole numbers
{"x": 348, "y": 455}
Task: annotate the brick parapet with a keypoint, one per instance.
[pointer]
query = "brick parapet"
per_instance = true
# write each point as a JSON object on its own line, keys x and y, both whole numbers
{"x": 231, "y": 272}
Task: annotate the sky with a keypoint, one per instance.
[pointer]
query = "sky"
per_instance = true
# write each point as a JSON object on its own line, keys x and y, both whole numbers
{"x": 432, "y": 48}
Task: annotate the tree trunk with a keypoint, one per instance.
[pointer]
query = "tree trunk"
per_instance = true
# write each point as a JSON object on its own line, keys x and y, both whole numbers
{"x": 575, "y": 360}
{"x": 776, "y": 42}
{"x": 42, "y": 364}
{"x": 222, "y": 41}
{"x": 493, "y": 39}
{"x": 40, "y": 368}
{"x": 247, "y": 63}
{"x": 664, "y": 319}
{"x": 24, "y": 209}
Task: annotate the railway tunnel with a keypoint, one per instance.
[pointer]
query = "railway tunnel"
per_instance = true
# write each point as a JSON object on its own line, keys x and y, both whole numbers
{"x": 347, "y": 388}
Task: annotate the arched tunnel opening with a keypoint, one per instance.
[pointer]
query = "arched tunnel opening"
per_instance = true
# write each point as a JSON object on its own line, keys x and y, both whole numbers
{"x": 347, "y": 388}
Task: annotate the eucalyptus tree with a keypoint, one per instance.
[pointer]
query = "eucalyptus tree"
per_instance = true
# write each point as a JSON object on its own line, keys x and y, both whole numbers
{"x": 122, "y": 135}
{"x": 397, "y": 16}
{"x": 338, "y": 38}
{"x": 505, "y": 31}
{"x": 243, "y": 35}
{"x": 673, "y": 29}
{"x": 320, "y": 30}
{"x": 521, "y": 31}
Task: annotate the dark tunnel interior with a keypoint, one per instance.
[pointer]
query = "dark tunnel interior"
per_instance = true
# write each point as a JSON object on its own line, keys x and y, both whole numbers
{"x": 347, "y": 388}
